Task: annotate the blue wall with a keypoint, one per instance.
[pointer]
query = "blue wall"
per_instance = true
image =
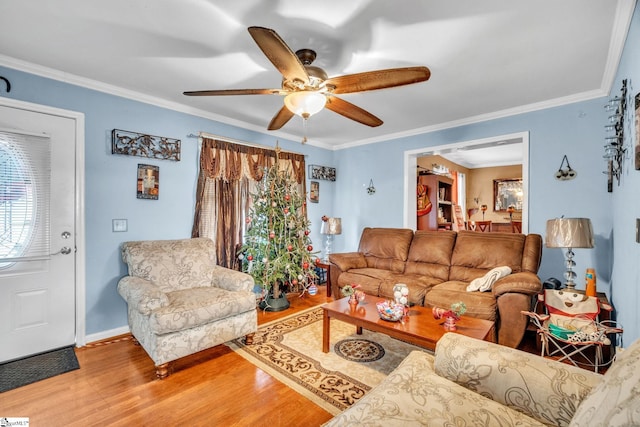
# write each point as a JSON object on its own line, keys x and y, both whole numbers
{"x": 110, "y": 188}
{"x": 576, "y": 130}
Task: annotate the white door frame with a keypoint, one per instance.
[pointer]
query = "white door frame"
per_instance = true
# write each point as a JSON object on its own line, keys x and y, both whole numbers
{"x": 80, "y": 276}
{"x": 411, "y": 161}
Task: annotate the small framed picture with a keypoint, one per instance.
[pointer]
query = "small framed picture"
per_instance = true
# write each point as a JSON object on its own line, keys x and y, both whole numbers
{"x": 148, "y": 182}
{"x": 314, "y": 194}
{"x": 322, "y": 172}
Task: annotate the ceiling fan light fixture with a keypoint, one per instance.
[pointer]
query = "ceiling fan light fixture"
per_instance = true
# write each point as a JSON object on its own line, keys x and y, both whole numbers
{"x": 305, "y": 103}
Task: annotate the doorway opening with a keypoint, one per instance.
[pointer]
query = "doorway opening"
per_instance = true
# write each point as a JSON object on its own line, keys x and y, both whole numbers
{"x": 485, "y": 149}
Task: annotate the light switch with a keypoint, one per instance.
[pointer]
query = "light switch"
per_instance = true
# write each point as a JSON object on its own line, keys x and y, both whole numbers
{"x": 118, "y": 225}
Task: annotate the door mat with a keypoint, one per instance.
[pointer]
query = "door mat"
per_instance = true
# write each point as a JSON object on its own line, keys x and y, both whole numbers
{"x": 290, "y": 350}
{"x": 25, "y": 371}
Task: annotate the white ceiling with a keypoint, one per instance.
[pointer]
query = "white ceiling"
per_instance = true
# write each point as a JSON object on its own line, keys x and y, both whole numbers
{"x": 488, "y": 58}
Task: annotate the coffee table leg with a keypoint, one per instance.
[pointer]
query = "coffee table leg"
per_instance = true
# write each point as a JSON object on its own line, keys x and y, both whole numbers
{"x": 326, "y": 325}
{"x": 359, "y": 330}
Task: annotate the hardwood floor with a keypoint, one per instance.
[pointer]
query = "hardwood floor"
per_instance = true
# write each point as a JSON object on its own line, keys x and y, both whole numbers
{"x": 116, "y": 385}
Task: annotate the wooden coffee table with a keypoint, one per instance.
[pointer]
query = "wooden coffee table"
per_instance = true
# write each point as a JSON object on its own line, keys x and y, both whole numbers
{"x": 419, "y": 327}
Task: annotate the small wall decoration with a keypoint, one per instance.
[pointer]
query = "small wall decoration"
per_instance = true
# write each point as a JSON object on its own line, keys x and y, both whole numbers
{"x": 144, "y": 145}
{"x": 148, "y": 182}
{"x": 637, "y": 131}
{"x": 322, "y": 172}
{"x": 314, "y": 194}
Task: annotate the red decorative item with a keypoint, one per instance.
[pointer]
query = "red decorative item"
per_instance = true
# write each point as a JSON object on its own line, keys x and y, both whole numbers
{"x": 287, "y": 197}
{"x": 309, "y": 248}
{"x": 306, "y": 232}
{"x": 286, "y": 210}
{"x": 289, "y": 248}
{"x": 247, "y": 220}
{"x": 305, "y": 265}
{"x": 294, "y": 282}
{"x": 450, "y": 318}
{"x": 250, "y": 257}
{"x": 325, "y": 218}
{"x": 272, "y": 235}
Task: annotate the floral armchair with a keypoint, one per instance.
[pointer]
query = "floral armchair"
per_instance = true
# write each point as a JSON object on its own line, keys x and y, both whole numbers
{"x": 180, "y": 302}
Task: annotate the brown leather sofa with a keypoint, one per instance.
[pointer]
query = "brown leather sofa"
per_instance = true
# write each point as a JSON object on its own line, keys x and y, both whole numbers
{"x": 437, "y": 266}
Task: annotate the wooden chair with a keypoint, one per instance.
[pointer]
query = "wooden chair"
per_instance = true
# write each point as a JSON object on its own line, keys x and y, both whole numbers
{"x": 516, "y": 226}
{"x": 483, "y": 226}
{"x": 459, "y": 218}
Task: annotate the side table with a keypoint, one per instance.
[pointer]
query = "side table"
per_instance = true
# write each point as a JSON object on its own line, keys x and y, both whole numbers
{"x": 327, "y": 268}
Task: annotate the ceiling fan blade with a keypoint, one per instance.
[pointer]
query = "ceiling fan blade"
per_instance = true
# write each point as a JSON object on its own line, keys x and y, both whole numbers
{"x": 351, "y": 111}
{"x": 279, "y": 54}
{"x": 235, "y": 92}
{"x": 380, "y": 79}
{"x": 280, "y": 119}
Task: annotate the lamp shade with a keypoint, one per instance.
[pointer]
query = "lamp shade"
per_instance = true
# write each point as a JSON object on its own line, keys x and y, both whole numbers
{"x": 569, "y": 233}
{"x": 331, "y": 226}
{"x": 305, "y": 103}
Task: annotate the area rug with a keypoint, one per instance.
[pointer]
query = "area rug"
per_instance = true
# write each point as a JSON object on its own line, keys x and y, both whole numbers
{"x": 25, "y": 371}
{"x": 290, "y": 349}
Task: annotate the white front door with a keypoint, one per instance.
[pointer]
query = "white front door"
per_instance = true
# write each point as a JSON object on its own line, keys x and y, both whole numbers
{"x": 37, "y": 286}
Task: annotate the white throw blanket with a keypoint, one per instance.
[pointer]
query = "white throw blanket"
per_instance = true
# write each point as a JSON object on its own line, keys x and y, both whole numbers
{"x": 485, "y": 282}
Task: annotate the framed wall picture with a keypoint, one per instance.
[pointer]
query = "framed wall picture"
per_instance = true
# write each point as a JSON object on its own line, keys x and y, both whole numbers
{"x": 148, "y": 182}
{"x": 322, "y": 172}
{"x": 314, "y": 194}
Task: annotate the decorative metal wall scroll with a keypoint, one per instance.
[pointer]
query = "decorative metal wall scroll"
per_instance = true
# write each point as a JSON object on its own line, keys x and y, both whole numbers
{"x": 144, "y": 145}
{"x": 322, "y": 172}
{"x": 614, "y": 149}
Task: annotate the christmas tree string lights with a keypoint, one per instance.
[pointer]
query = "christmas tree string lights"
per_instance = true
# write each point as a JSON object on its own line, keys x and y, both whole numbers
{"x": 278, "y": 251}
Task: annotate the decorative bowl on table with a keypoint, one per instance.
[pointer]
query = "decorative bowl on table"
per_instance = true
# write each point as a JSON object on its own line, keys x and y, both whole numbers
{"x": 390, "y": 311}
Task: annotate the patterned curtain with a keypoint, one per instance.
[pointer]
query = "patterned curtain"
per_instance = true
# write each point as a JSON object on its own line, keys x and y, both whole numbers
{"x": 228, "y": 176}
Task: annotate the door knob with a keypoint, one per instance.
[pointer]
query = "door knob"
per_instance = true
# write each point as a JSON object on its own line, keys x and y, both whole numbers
{"x": 64, "y": 251}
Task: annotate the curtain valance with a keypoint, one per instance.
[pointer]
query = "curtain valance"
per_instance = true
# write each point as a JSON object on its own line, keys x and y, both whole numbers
{"x": 232, "y": 162}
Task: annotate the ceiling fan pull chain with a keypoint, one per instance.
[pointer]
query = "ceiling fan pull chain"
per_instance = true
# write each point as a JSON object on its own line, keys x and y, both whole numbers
{"x": 305, "y": 120}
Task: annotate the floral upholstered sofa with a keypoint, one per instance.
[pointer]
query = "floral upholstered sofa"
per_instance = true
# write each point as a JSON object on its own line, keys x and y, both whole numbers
{"x": 476, "y": 383}
{"x": 180, "y": 302}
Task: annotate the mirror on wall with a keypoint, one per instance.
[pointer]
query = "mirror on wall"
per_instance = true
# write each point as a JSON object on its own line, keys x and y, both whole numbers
{"x": 507, "y": 192}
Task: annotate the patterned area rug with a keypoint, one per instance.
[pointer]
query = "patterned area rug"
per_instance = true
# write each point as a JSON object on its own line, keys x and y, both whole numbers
{"x": 290, "y": 350}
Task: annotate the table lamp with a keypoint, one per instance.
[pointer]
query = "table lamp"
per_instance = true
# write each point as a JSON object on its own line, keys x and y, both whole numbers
{"x": 569, "y": 233}
{"x": 330, "y": 227}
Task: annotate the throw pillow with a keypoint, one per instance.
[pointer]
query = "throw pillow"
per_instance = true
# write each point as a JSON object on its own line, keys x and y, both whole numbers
{"x": 615, "y": 401}
{"x": 485, "y": 282}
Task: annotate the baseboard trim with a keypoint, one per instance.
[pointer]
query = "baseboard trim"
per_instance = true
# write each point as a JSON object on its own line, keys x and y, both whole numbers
{"x": 100, "y": 336}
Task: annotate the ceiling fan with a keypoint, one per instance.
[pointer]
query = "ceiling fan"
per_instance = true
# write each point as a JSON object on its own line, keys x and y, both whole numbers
{"x": 307, "y": 89}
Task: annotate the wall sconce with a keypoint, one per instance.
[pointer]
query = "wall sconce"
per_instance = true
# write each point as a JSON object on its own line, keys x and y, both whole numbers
{"x": 566, "y": 173}
{"x": 614, "y": 149}
{"x": 371, "y": 190}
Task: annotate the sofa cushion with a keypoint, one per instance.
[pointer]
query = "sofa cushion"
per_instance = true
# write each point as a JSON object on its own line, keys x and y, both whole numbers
{"x": 540, "y": 388}
{"x": 172, "y": 264}
{"x": 471, "y": 257}
{"x": 418, "y": 286}
{"x": 369, "y": 279}
{"x": 414, "y": 395}
{"x": 481, "y": 305}
{"x": 616, "y": 400}
{"x": 386, "y": 248}
{"x": 430, "y": 254}
{"x": 188, "y": 308}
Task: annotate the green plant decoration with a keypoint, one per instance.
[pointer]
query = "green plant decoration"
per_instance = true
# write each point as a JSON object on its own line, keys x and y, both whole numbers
{"x": 277, "y": 250}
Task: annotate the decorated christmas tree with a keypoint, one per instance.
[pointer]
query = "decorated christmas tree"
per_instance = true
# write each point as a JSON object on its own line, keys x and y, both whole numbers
{"x": 277, "y": 249}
